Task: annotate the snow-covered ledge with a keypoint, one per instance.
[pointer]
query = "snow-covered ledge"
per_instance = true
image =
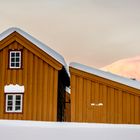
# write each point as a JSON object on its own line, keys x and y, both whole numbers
{"x": 13, "y": 88}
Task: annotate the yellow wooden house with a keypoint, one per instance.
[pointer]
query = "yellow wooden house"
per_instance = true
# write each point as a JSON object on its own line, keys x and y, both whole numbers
{"x": 33, "y": 78}
{"x": 103, "y": 97}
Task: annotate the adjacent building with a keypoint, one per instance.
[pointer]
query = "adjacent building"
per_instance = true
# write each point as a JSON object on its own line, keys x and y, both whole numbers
{"x": 102, "y": 97}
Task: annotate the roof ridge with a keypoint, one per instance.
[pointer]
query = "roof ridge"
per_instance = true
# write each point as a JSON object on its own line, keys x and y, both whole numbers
{"x": 36, "y": 42}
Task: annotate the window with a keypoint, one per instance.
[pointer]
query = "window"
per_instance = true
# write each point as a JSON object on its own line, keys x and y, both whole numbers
{"x": 15, "y": 59}
{"x": 14, "y": 102}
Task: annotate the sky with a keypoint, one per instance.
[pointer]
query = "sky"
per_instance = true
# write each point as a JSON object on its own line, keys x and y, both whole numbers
{"x": 91, "y": 32}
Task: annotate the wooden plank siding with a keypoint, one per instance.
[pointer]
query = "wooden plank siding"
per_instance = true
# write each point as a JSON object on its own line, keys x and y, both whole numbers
{"x": 121, "y": 104}
{"x": 40, "y": 80}
{"x": 67, "y": 114}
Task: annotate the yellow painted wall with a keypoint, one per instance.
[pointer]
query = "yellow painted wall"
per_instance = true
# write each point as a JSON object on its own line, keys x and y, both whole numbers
{"x": 39, "y": 78}
{"x": 121, "y": 104}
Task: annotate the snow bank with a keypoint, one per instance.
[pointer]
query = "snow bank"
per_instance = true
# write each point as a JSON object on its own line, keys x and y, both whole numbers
{"x": 27, "y": 130}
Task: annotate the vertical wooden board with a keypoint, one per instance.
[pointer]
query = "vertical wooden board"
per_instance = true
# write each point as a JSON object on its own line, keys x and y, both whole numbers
{"x": 120, "y": 107}
{"x": 13, "y": 77}
{"x": 8, "y": 77}
{"x": 2, "y": 110}
{"x": 42, "y": 92}
{"x": 50, "y": 93}
{"x": 108, "y": 104}
{"x": 15, "y": 116}
{"x": 45, "y": 89}
{"x": 92, "y": 92}
{"x": 128, "y": 108}
{"x": 77, "y": 99}
{"x": 124, "y": 108}
{"x": 25, "y": 62}
{"x": 30, "y": 84}
{"x": 89, "y": 110}
{"x": 104, "y": 103}
{"x": 80, "y": 98}
{"x": 39, "y": 90}
{"x": 73, "y": 100}
{"x": 15, "y": 45}
{"x": 93, "y": 100}
{"x": 132, "y": 109}
{"x": 6, "y": 67}
{"x": 137, "y": 110}
{"x": 112, "y": 105}
{"x": 115, "y": 106}
{"x": 52, "y": 96}
{"x": 19, "y": 77}
{"x": 101, "y": 102}
{"x": 84, "y": 101}
{"x": 55, "y": 95}
{"x": 96, "y": 108}
{"x": 13, "y": 71}
{"x": 35, "y": 85}
{"x": 4, "y": 80}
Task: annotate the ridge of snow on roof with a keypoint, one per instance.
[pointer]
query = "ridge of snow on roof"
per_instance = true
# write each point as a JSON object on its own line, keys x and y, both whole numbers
{"x": 36, "y": 42}
{"x": 107, "y": 75}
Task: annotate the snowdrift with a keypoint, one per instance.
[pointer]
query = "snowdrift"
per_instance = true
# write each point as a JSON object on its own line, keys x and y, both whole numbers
{"x": 31, "y": 130}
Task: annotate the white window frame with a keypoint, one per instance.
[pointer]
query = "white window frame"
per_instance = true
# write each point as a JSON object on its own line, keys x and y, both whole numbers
{"x": 15, "y": 67}
{"x": 14, "y": 103}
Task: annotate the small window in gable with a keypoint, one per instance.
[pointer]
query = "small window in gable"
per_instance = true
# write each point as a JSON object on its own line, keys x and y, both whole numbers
{"x": 15, "y": 59}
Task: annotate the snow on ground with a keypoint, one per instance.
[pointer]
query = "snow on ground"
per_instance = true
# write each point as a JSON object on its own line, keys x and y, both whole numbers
{"x": 31, "y": 130}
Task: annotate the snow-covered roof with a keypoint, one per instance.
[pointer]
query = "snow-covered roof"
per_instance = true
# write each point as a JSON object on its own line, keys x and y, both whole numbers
{"x": 13, "y": 88}
{"x": 106, "y": 75}
{"x": 36, "y": 42}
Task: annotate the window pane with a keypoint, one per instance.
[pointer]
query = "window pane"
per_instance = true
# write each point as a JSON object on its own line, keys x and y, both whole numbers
{"x": 10, "y": 97}
{"x": 10, "y": 103}
{"x": 12, "y": 59}
{"x": 12, "y": 54}
{"x": 17, "y": 59}
{"x": 9, "y": 108}
{"x": 18, "y": 102}
{"x": 17, "y": 64}
{"x": 17, "y": 108}
{"x": 12, "y": 64}
{"x": 17, "y": 54}
{"x": 18, "y": 97}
